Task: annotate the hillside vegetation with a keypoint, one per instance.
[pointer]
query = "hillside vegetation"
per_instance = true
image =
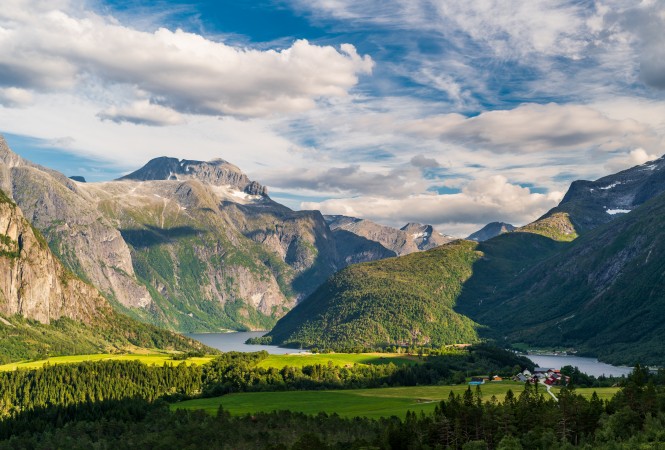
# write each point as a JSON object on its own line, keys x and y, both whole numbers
{"x": 403, "y": 301}
{"x": 410, "y": 300}
{"x": 604, "y": 294}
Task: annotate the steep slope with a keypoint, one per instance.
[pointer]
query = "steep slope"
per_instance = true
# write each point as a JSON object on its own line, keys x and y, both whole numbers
{"x": 45, "y": 309}
{"x": 593, "y": 203}
{"x": 187, "y": 245}
{"x": 491, "y": 230}
{"x": 216, "y": 172}
{"x": 403, "y": 301}
{"x": 411, "y": 299}
{"x": 425, "y": 236}
{"x": 411, "y": 238}
{"x": 603, "y": 295}
{"x": 80, "y": 236}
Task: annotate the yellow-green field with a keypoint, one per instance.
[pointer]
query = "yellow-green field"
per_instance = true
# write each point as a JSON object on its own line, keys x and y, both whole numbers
{"x": 157, "y": 359}
{"x": 277, "y": 361}
{"x": 338, "y": 359}
{"x": 384, "y": 402}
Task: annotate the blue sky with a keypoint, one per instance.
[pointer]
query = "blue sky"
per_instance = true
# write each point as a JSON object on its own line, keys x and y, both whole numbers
{"x": 450, "y": 113}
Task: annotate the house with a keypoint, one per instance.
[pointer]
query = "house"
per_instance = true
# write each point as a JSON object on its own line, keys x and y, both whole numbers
{"x": 521, "y": 377}
{"x": 497, "y": 378}
{"x": 477, "y": 381}
{"x": 542, "y": 373}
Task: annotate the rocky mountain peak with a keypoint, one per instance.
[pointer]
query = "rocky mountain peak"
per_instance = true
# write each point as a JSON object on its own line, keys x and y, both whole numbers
{"x": 8, "y": 157}
{"x": 491, "y": 230}
{"x": 216, "y": 172}
{"x": 592, "y": 203}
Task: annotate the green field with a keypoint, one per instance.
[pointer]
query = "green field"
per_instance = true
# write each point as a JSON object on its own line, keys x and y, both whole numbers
{"x": 375, "y": 403}
{"x": 158, "y": 359}
{"x": 338, "y": 359}
{"x": 277, "y": 361}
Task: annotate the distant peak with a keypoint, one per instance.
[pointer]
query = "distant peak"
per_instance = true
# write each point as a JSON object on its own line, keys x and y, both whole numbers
{"x": 216, "y": 172}
{"x": 491, "y": 230}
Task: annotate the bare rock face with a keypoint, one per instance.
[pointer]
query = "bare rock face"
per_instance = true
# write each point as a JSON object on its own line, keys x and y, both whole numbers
{"x": 413, "y": 237}
{"x": 425, "y": 236}
{"x": 216, "y": 172}
{"x": 491, "y": 230}
{"x": 87, "y": 242}
{"x": 593, "y": 203}
{"x": 33, "y": 283}
{"x": 187, "y": 245}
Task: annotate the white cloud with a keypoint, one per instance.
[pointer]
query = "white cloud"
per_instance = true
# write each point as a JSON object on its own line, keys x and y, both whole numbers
{"x": 536, "y": 128}
{"x": 628, "y": 160}
{"x": 143, "y": 113}
{"x": 480, "y": 202}
{"x": 647, "y": 22}
{"x": 398, "y": 182}
{"x": 250, "y": 144}
{"x": 15, "y": 97}
{"x": 51, "y": 49}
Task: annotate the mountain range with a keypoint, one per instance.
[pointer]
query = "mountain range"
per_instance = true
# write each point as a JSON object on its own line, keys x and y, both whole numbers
{"x": 45, "y": 309}
{"x": 189, "y": 245}
{"x": 587, "y": 275}
{"x": 198, "y": 246}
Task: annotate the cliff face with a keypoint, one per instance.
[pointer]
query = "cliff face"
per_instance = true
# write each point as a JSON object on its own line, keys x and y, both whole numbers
{"x": 411, "y": 238}
{"x": 33, "y": 283}
{"x": 81, "y": 237}
{"x": 187, "y": 245}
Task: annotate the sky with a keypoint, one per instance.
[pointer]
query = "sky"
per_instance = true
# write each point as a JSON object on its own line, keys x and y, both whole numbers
{"x": 450, "y": 113}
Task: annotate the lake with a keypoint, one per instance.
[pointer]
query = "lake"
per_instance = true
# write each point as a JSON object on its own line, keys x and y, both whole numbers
{"x": 235, "y": 342}
{"x": 590, "y": 366}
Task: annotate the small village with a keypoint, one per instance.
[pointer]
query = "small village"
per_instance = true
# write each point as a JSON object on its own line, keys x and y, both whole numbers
{"x": 547, "y": 376}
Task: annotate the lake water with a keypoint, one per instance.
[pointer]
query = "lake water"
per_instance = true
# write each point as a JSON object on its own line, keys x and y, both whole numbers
{"x": 235, "y": 342}
{"x": 590, "y": 366}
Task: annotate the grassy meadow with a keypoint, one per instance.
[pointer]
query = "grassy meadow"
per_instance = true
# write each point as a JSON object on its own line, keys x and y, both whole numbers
{"x": 150, "y": 359}
{"x": 383, "y": 402}
{"x": 276, "y": 361}
{"x": 338, "y": 359}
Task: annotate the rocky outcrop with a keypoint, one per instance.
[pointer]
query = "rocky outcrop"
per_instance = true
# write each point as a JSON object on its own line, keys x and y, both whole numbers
{"x": 216, "y": 172}
{"x": 411, "y": 238}
{"x": 188, "y": 245}
{"x": 86, "y": 241}
{"x": 33, "y": 283}
{"x": 425, "y": 236}
{"x": 593, "y": 203}
{"x": 491, "y": 230}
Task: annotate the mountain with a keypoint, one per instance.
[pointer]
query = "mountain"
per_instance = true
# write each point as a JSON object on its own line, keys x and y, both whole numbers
{"x": 603, "y": 294}
{"x": 593, "y": 203}
{"x": 413, "y": 237}
{"x": 491, "y": 230}
{"x": 216, "y": 172}
{"x": 425, "y": 236}
{"x": 186, "y": 245}
{"x": 45, "y": 309}
{"x": 410, "y": 299}
{"x": 599, "y": 291}
{"x": 403, "y": 301}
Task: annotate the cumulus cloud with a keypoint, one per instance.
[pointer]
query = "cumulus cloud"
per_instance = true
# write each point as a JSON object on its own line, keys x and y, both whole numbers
{"x": 143, "y": 113}
{"x": 628, "y": 160}
{"x": 422, "y": 162}
{"x": 480, "y": 202}
{"x": 647, "y": 22}
{"x": 350, "y": 180}
{"x": 15, "y": 97}
{"x": 536, "y": 128}
{"x": 50, "y": 48}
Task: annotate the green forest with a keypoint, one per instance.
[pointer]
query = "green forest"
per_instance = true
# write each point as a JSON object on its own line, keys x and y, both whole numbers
{"x": 126, "y": 404}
